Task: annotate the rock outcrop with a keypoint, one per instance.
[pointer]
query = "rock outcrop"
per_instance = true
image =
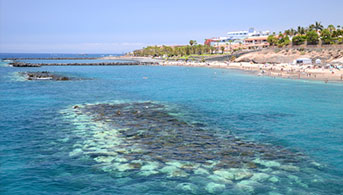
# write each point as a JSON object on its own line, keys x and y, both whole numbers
{"x": 287, "y": 55}
{"x": 44, "y": 75}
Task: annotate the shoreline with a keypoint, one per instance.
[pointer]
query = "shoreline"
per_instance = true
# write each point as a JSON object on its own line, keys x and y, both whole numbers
{"x": 286, "y": 71}
{"x": 282, "y": 70}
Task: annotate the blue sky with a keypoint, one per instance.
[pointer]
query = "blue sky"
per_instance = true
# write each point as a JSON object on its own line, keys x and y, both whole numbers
{"x": 117, "y": 26}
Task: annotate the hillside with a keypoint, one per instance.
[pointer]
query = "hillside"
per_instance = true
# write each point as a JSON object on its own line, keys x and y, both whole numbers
{"x": 287, "y": 55}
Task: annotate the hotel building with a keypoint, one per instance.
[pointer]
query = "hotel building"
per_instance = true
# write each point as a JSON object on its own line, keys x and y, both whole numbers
{"x": 250, "y": 39}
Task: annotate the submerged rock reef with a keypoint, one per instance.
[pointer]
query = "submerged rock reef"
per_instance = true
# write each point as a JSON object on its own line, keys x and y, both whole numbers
{"x": 147, "y": 139}
{"x": 44, "y": 75}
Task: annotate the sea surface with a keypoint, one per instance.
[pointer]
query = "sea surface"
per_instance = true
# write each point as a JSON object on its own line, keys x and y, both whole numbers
{"x": 167, "y": 130}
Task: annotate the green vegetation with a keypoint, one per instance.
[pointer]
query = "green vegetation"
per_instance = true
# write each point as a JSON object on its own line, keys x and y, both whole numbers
{"x": 298, "y": 39}
{"x": 222, "y": 48}
{"x": 272, "y": 40}
{"x": 283, "y": 40}
{"x": 192, "y": 42}
{"x": 312, "y": 35}
{"x": 280, "y": 41}
{"x": 177, "y": 51}
{"x": 326, "y": 37}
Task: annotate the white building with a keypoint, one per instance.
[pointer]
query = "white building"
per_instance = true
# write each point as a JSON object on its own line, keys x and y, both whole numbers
{"x": 240, "y": 39}
{"x": 246, "y": 34}
{"x": 237, "y": 35}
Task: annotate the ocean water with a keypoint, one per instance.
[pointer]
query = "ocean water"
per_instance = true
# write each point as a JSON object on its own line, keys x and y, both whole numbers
{"x": 142, "y": 130}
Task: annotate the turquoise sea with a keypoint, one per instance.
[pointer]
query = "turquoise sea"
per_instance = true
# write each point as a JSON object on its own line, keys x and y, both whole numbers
{"x": 168, "y": 130}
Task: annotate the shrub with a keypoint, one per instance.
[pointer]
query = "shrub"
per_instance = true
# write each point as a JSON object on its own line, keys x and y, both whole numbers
{"x": 339, "y": 40}
{"x": 312, "y": 38}
{"x": 326, "y": 37}
{"x": 298, "y": 40}
{"x": 272, "y": 40}
{"x": 283, "y": 40}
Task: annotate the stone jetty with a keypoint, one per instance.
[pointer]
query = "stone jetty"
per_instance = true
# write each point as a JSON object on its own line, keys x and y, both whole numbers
{"x": 135, "y": 63}
{"x": 60, "y": 58}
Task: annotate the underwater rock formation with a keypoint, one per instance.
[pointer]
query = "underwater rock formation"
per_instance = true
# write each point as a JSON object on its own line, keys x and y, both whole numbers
{"x": 162, "y": 137}
{"x": 148, "y": 139}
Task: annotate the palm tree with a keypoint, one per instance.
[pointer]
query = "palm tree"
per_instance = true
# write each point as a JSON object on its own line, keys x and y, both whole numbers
{"x": 287, "y": 32}
{"x": 318, "y": 26}
{"x": 331, "y": 28}
{"x": 222, "y": 48}
{"x": 213, "y": 49}
{"x": 192, "y": 49}
{"x": 301, "y": 30}
{"x": 191, "y": 42}
{"x": 230, "y": 41}
{"x": 311, "y": 27}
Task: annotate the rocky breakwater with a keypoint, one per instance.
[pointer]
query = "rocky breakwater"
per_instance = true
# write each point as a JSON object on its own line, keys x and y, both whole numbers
{"x": 147, "y": 139}
{"x": 61, "y": 58}
{"x": 24, "y": 64}
{"x": 44, "y": 75}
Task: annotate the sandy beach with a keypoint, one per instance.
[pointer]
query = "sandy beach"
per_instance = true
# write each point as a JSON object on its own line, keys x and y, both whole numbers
{"x": 283, "y": 70}
{"x": 274, "y": 70}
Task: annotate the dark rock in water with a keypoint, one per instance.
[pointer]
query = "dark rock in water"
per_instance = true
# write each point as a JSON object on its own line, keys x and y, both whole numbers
{"x": 251, "y": 165}
{"x": 163, "y": 137}
{"x": 44, "y": 75}
{"x": 96, "y": 154}
{"x": 136, "y": 165}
